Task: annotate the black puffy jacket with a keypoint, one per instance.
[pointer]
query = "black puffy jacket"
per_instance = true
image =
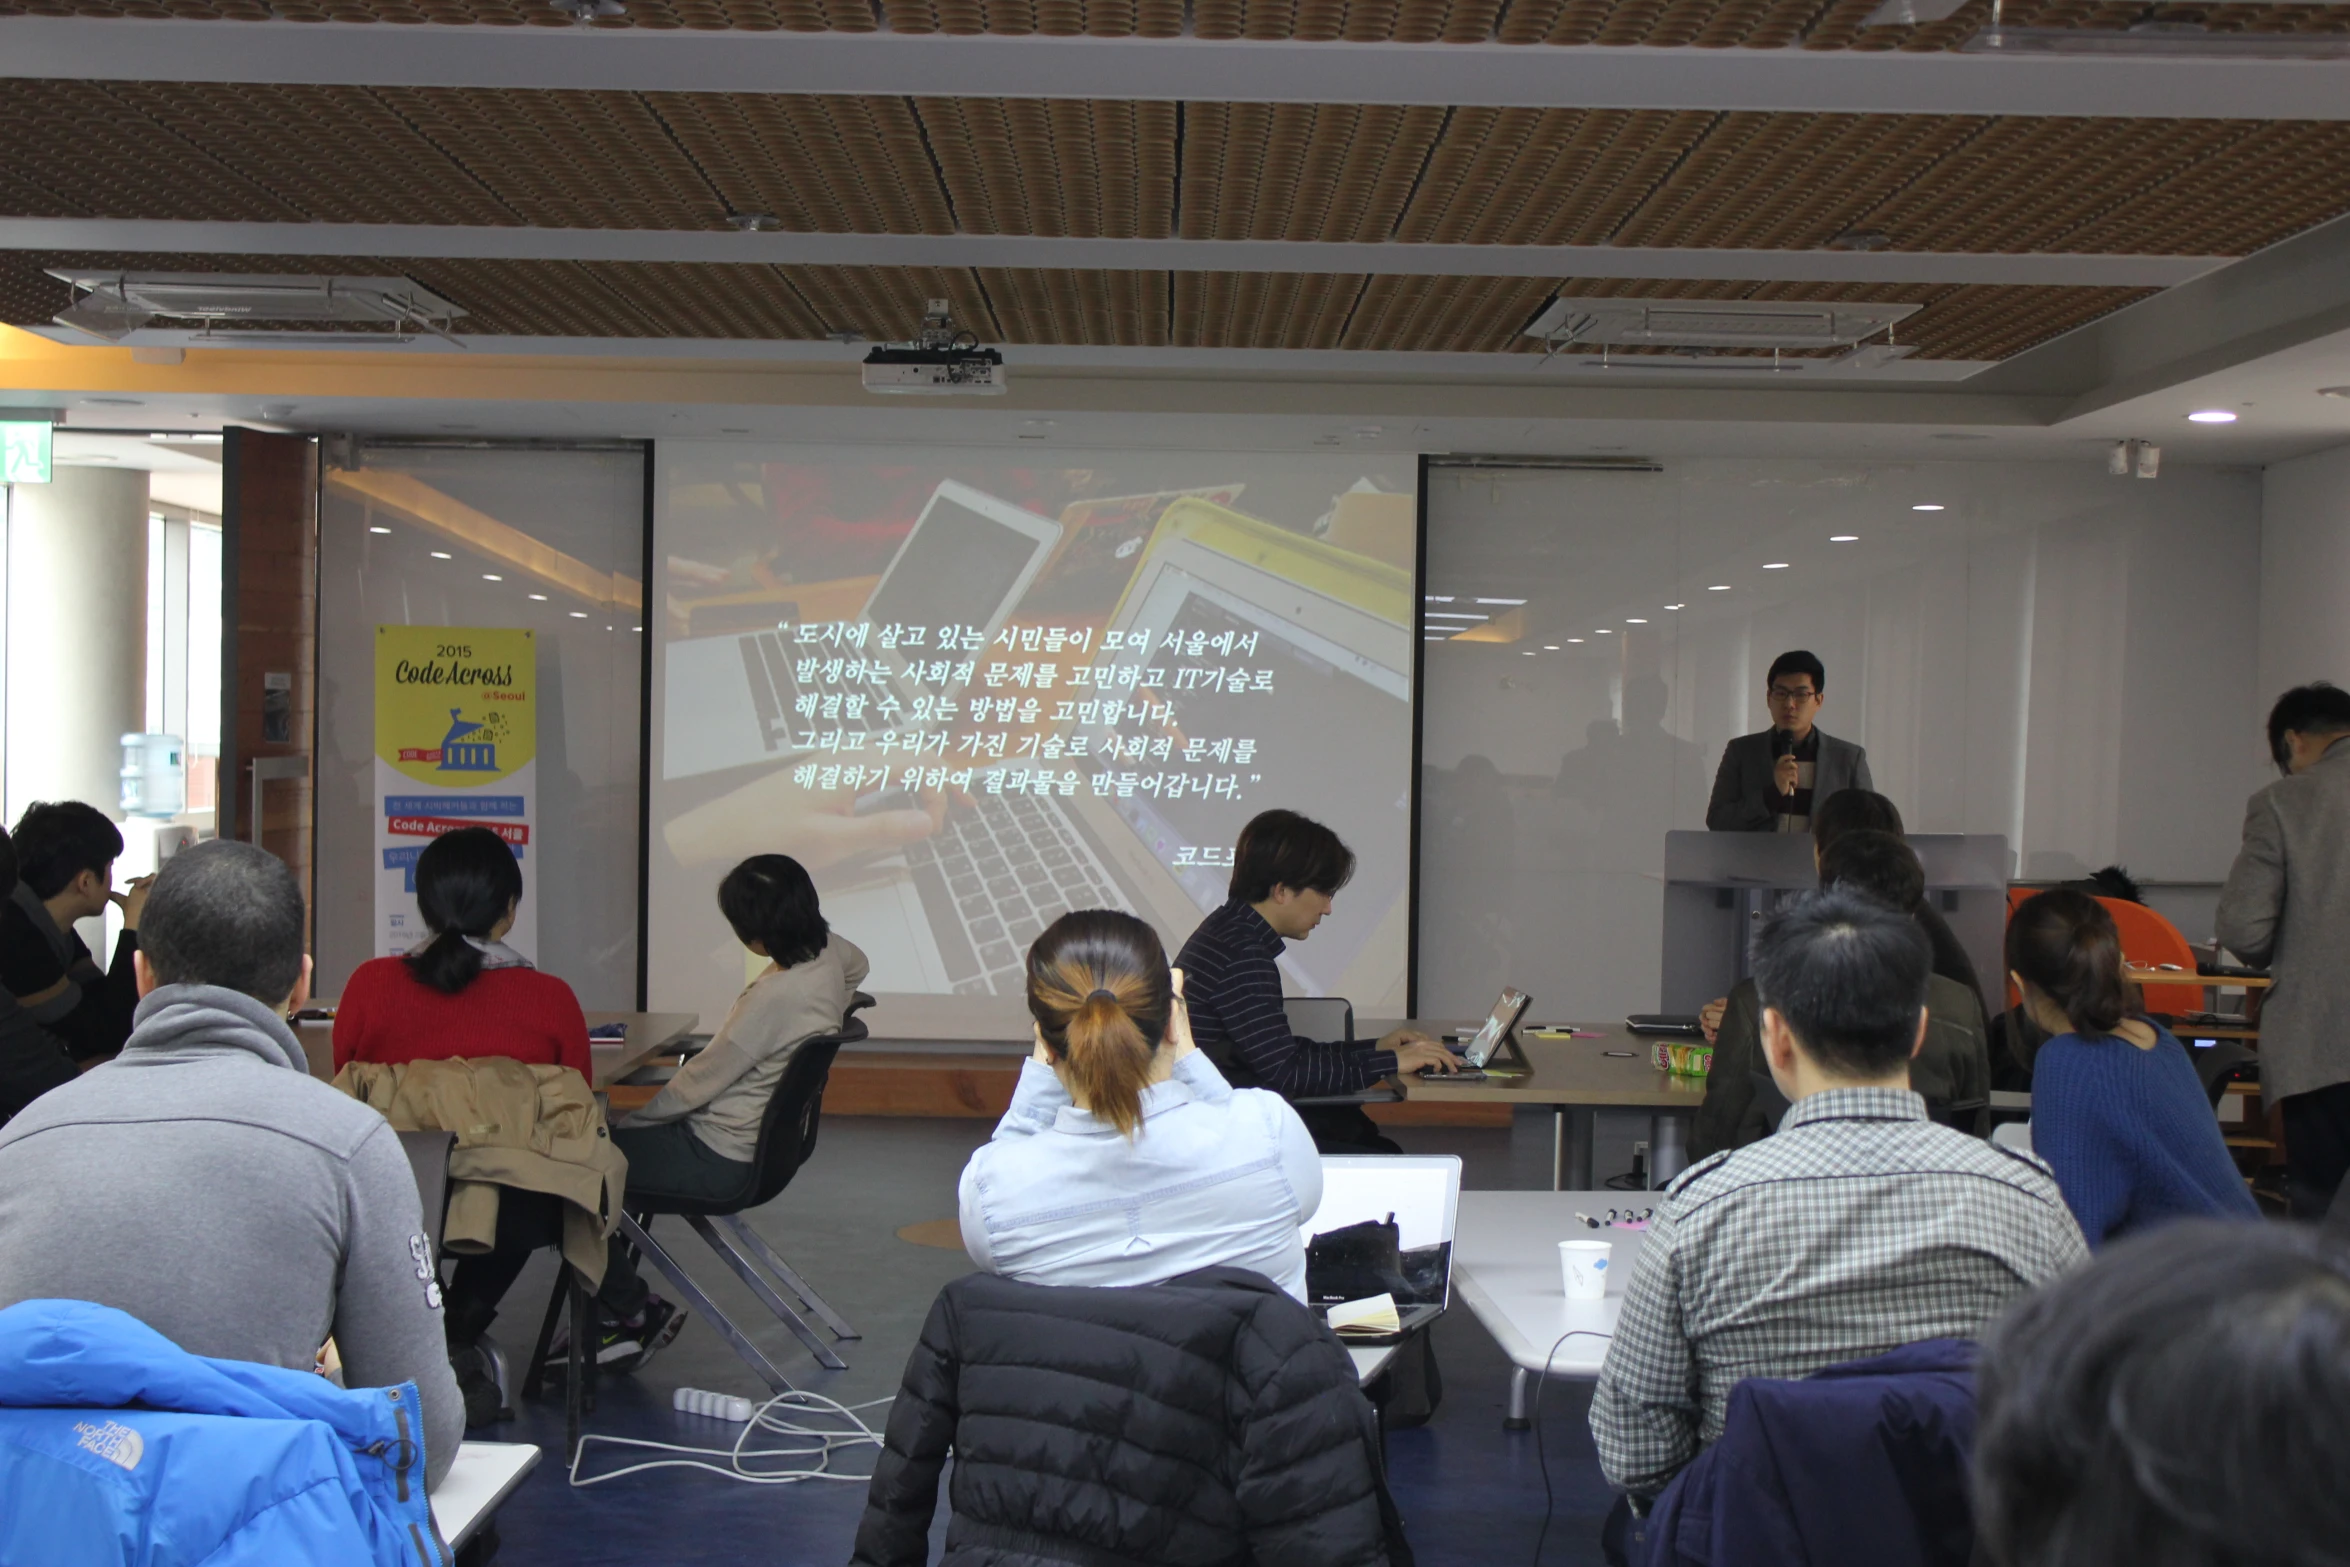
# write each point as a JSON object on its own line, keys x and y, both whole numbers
{"x": 1210, "y": 1421}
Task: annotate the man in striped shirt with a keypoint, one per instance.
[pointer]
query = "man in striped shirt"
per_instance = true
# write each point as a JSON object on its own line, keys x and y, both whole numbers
{"x": 1285, "y": 871}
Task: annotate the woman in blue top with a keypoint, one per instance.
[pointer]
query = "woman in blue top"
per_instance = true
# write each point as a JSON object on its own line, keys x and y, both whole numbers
{"x": 1125, "y": 1157}
{"x": 2117, "y": 1109}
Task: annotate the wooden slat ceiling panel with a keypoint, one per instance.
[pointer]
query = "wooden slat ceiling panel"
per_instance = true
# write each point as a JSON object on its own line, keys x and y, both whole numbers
{"x": 1125, "y": 309}
{"x": 1203, "y": 171}
{"x": 1707, "y": 24}
{"x": 1301, "y": 171}
{"x": 1098, "y": 169}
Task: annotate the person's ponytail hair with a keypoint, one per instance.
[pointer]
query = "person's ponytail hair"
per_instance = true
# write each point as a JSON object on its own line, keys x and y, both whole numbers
{"x": 466, "y": 880}
{"x": 1099, "y": 991}
{"x": 2065, "y": 944}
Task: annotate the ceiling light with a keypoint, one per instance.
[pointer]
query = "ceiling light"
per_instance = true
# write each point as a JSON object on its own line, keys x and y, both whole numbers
{"x": 442, "y": 555}
{"x": 1603, "y": 632}
{"x": 1550, "y": 647}
{"x": 1926, "y": 506}
{"x": 579, "y": 614}
{"x": 2211, "y": 416}
{"x": 1451, "y": 614}
{"x": 1436, "y": 598}
{"x": 1843, "y": 538}
{"x": 1719, "y": 587}
{"x": 1629, "y": 621}
{"x": 491, "y": 576}
{"x": 1774, "y": 565}
{"x": 1574, "y": 639}
{"x": 753, "y": 222}
{"x": 1675, "y": 606}
{"x": 1528, "y": 653}
{"x": 379, "y": 529}
{"x": 1497, "y": 601}
{"x": 538, "y": 598}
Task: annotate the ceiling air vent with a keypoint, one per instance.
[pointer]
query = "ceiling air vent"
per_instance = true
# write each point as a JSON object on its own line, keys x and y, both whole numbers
{"x": 1711, "y": 323}
{"x": 112, "y": 305}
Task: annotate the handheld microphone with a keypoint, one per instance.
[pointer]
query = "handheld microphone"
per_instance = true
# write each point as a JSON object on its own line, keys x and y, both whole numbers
{"x": 1782, "y": 744}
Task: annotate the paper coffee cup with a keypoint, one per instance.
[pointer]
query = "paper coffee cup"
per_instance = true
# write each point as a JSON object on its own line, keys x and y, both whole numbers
{"x": 1584, "y": 1267}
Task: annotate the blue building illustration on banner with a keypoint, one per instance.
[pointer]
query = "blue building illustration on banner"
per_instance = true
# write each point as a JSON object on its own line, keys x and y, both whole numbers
{"x": 460, "y": 755}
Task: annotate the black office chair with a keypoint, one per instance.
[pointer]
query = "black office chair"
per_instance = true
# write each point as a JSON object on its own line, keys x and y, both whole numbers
{"x": 787, "y": 1136}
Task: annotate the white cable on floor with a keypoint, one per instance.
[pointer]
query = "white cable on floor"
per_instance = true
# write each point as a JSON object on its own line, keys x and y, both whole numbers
{"x": 735, "y": 1463}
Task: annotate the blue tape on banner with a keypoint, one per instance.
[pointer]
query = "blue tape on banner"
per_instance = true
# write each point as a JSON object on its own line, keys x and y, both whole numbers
{"x": 452, "y": 805}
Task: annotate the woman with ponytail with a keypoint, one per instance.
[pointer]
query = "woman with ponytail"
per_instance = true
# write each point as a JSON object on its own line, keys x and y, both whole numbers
{"x": 1126, "y": 1158}
{"x": 464, "y": 993}
{"x": 2117, "y": 1108}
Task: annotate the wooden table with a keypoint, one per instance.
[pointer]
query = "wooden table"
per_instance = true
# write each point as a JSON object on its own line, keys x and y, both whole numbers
{"x": 1576, "y": 1078}
{"x": 649, "y": 1033}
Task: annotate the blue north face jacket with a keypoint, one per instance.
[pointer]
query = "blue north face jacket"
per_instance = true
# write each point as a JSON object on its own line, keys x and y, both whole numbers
{"x": 116, "y": 1445}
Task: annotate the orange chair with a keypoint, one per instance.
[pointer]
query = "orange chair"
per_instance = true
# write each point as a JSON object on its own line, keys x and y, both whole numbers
{"x": 2148, "y": 940}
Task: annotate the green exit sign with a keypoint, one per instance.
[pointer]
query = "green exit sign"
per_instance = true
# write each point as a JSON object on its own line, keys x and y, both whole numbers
{"x": 24, "y": 452}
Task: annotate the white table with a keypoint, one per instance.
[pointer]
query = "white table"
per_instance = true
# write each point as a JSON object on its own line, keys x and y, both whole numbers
{"x": 484, "y": 1475}
{"x": 1370, "y": 1360}
{"x": 1505, "y": 1269}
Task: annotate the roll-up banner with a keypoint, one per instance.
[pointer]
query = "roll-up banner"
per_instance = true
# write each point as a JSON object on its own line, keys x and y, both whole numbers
{"x": 456, "y": 745}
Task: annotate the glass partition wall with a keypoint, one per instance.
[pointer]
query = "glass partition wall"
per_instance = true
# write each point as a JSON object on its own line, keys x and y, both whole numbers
{"x": 2036, "y": 651}
{"x": 526, "y": 537}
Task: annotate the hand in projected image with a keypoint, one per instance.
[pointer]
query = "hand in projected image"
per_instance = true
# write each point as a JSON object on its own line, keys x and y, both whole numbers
{"x": 774, "y": 815}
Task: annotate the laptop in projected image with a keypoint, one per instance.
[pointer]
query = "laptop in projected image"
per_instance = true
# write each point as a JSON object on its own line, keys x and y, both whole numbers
{"x": 730, "y": 700}
{"x": 1334, "y": 629}
{"x": 1421, "y": 1194}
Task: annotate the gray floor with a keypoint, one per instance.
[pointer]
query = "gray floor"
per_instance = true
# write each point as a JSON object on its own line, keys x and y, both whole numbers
{"x": 1469, "y": 1492}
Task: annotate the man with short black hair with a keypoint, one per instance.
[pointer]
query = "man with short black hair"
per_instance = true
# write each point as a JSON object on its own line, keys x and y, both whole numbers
{"x": 204, "y": 1182}
{"x": 1860, "y": 1227}
{"x": 1768, "y": 781}
{"x": 32, "y": 1060}
{"x": 2286, "y": 907}
{"x": 65, "y": 853}
{"x": 1285, "y": 871}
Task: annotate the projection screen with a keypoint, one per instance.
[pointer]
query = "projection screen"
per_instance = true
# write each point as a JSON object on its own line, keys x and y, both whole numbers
{"x": 970, "y": 691}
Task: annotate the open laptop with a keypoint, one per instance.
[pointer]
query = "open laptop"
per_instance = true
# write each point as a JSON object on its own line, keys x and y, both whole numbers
{"x": 1422, "y": 1192}
{"x": 1333, "y": 627}
{"x": 732, "y": 700}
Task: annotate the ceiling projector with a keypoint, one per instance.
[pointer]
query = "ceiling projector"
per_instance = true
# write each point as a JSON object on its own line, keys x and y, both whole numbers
{"x": 942, "y": 361}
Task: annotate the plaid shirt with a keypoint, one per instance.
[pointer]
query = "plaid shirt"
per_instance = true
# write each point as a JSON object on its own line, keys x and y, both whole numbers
{"x": 1859, "y": 1227}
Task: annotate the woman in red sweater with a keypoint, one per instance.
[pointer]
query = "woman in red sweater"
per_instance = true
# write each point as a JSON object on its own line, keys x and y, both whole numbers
{"x": 467, "y": 994}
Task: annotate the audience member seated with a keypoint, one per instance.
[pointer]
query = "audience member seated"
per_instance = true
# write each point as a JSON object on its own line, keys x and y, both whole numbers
{"x": 1860, "y": 1227}
{"x": 204, "y": 1182}
{"x": 2117, "y": 1109}
{"x": 1208, "y": 1419}
{"x": 1285, "y": 872}
{"x": 1125, "y": 1157}
{"x": 1743, "y": 1105}
{"x": 464, "y": 993}
{"x": 65, "y": 854}
{"x": 32, "y": 1060}
{"x": 2183, "y": 1401}
{"x": 697, "y": 1136}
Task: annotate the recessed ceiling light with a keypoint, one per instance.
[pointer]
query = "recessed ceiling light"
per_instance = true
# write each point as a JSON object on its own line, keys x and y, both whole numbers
{"x": 2212, "y": 416}
{"x": 1499, "y": 601}
{"x": 1452, "y": 614}
{"x": 1630, "y": 621}
{"x": 1574, "y": 639}
{"x": 1550, "y": 647}
{"x": 1676, "y": 606}
{"x": 1926, "y": 506}
{"x": 491, "y": 576}
{"x": 1774, "y": 565}
{"x": 1528, "y": 653}
{"x": 1843, "y": 538}
{"x": 1719, "y": 587}
{"x": 442, "y": 555}
{"x": 538, "y": 598}
{"x": 1436, "y": 598}
{"x": 579, "y": 614}
{"x": 1603, "y": 632}
{"x": 379, "y": 529}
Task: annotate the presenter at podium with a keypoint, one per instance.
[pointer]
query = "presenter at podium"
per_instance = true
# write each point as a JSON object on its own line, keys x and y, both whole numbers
{"x": 1768, "y": 781}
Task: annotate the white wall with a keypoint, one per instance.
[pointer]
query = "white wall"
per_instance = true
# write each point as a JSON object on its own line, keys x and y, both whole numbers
{"x": 2305, "y": 573}
{"x": 2058, "y": 656}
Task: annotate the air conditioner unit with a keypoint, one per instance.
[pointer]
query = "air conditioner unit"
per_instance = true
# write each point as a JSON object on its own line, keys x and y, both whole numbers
{"x": 942, "y": 361}
{"x": 1711, "y": 323}
{"x": 111, "y": 304}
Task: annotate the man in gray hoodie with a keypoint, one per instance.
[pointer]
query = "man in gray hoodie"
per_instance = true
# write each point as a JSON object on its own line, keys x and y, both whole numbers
{"x": 205, "y": 1183}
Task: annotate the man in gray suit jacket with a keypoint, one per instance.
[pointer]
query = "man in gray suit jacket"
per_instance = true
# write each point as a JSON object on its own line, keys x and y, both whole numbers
{"x": 1768, "y": 781}
{"x": 2287, "y": 906}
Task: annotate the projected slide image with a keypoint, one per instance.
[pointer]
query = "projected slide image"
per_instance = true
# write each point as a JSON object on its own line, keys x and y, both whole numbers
{"x": 970, "y": 695}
